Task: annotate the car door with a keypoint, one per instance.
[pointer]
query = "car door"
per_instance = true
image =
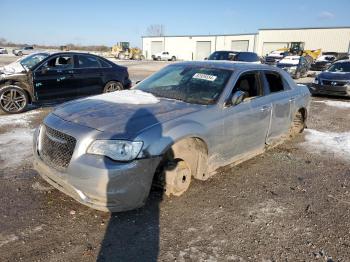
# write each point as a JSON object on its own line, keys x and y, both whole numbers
{"x": 246, "y": 124}
{"x": 89, "y": 74}
{"x": 55, "y": 79}
{"x": 279, "y": 94}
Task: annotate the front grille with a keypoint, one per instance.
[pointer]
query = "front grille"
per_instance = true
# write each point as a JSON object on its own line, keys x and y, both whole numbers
{"x": 333, "y": 83}
{"x": 56, "y": 148}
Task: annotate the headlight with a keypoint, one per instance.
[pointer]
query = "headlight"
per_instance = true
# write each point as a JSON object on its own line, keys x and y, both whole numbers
{"x": 292, "y": 68}
{"x": 119, "y": 150}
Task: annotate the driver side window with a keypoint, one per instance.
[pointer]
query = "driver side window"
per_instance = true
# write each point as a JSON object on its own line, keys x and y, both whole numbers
{"x": 249, "y": 84}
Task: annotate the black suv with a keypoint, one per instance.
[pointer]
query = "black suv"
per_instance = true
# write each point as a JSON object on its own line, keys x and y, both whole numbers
{"x": 61, "y": 76}
{"x": 250, "y": 57}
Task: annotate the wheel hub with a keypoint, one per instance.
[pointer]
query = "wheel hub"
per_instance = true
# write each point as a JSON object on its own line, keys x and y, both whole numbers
{"x": 177, "y": 180}
{"x": 112, "y": 87}
{"x": 13, "y": 100}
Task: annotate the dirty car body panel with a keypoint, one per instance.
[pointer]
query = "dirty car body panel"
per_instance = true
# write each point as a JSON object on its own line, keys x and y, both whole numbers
{"x": 52, "y": 80}
{"x": 231, "y": 133}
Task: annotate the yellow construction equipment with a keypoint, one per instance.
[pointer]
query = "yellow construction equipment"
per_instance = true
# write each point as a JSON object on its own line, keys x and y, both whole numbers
{"x": 122, "y": 50}
{"x": 297, "y": 48}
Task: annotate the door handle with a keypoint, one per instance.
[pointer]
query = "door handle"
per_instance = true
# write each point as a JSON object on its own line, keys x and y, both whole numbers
{"x": 291, "y": 99}
{"x": 265, "y": 108}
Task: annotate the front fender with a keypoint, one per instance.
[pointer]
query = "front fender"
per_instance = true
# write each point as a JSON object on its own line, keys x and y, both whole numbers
{"x": 158, "y": 139}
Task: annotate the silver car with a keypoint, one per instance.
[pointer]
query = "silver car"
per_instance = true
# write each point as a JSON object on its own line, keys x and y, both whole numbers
{"x": 25, "y": 50}
{"x": 183, "y": 122}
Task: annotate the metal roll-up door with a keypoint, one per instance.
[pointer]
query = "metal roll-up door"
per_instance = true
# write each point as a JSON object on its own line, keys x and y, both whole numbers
{"x": 203, "y": 49}
{"x": 268, "y": 47}
{"x": 239, "y": 45}
{"x": 156, "y": 47}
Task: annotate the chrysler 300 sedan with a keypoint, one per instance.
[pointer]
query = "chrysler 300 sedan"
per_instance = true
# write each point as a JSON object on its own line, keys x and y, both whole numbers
{"x": 60, "y": 76}
{"x": 183, "y": 122}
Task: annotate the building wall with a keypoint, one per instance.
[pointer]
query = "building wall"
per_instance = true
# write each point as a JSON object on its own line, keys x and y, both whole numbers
{"x": 184, "y": 47}
{"x": 329, "y": 40}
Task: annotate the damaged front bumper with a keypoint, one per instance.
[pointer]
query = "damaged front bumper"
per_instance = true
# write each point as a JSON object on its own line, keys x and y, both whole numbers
{"x": 99, "y": 182}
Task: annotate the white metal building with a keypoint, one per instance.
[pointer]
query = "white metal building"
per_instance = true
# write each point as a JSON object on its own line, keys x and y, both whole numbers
{"x": 197, "y": 47}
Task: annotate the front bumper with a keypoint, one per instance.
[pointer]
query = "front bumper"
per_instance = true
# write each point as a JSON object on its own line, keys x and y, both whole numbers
{"x": 99, "y": 182}
{"x": 330, "y": 90}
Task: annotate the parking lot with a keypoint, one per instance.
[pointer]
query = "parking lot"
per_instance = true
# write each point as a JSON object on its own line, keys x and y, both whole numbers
{"x": 291, "y": 203}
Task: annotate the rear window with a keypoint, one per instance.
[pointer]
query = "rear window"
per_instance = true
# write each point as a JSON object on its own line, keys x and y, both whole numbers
{"x": 221, "y": 56}
{"x": 247, "y": 57}
{"x": 85, "y": 61}
{"x": 104, "y": 63}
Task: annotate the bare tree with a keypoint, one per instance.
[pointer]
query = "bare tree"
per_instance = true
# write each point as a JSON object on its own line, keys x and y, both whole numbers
{"x": 155, "y": 30}
{"x": 3, "y": 41}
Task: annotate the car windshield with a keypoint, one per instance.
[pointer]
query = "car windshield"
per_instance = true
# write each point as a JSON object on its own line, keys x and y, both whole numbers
{"x": 340, "y": 67}
{"x": 221, "y": 56}
{"x": 188, "y": 83}
{"x": 29, "y": 61}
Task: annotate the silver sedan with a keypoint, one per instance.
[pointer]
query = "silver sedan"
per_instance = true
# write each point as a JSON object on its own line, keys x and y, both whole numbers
{"x": 185, "y": 121}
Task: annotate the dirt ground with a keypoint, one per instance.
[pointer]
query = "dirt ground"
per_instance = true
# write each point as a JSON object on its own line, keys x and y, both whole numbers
{"x": 291, "y": 203}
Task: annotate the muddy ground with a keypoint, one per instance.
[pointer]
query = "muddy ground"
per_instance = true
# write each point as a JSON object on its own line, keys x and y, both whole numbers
{"x": 290, "y": 204}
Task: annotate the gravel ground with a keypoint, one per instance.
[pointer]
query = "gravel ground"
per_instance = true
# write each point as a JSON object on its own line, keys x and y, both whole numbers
{"x": 291, "y": 203}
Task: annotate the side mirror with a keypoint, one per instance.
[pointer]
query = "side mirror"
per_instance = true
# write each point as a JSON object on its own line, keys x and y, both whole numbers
{"x": 237, "y": 97}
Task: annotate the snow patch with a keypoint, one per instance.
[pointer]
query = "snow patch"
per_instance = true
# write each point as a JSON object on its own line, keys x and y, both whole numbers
{"x": 331, "y": 142}
{"x": 18, "y": 119}
{"x": 15, "y": 147}
{"x": 136, "y": 97}
{"x": 339, "y": 104}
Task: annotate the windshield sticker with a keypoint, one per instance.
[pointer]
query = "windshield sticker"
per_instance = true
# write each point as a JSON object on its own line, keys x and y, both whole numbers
{"x": 204, "y": 77}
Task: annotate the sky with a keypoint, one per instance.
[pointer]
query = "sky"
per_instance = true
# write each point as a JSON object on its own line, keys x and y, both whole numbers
{"x": 92, "y": 22}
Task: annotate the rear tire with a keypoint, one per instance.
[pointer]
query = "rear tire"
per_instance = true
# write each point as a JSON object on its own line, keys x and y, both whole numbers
{"x": 13, "y": 100}
{"x": 112, "y": 86}
{"x": 173, "y": 58}
{"x": 298, "y": 124}
{"x": 159, "y": 58}
{"x": 19, "y": 53}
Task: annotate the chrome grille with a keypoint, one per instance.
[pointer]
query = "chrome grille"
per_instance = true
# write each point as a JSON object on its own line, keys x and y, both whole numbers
{"x": 333, "y": 83}
{"x": 56, "y": 148}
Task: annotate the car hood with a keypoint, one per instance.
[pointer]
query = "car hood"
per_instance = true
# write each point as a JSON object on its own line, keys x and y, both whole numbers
{"x": 12, "y": 68}
{"x": 124, "y": 114}
{"x": 335, "y": 76}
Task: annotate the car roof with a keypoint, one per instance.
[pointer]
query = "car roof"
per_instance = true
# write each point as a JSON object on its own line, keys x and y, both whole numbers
{"x": 230, "y": 65}
{"x": 225, "y": 51}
